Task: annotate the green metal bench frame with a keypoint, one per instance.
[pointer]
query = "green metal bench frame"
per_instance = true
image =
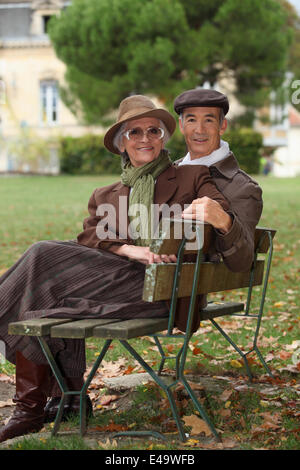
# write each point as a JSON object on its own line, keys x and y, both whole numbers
{"x": 158, "y": 328}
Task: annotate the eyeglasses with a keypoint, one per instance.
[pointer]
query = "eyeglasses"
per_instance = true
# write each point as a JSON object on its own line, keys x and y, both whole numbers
{"x": 152, "y": 133}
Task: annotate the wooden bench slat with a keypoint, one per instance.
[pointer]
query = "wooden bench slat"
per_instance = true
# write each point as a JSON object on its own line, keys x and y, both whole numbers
{"x": 35, "y": 326}
{"x": 131, "y": 328}
{"x": 218, "y": 309}
{"x": 214, "y": 277}
{"x": 79, "y": 328}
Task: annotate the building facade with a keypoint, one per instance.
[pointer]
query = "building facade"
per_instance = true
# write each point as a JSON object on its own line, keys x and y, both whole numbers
{"x": 32, "y": 115}
{"x": 282, "y": 136}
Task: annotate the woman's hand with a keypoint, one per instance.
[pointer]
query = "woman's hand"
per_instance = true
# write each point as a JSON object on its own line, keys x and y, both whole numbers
{"x": 142, "y": 254}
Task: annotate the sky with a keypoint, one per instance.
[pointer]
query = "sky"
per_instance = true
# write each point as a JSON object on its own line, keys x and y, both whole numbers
{"x": 296, "y": 4}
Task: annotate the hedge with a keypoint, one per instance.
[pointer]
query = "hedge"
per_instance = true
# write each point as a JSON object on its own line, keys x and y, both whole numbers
{"x": 87, "y": 155}
{"x": 245, "y": 143}
{"x": 247, "y": 146}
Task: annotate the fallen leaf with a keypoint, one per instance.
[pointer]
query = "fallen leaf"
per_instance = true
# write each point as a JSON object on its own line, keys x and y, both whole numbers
{"x": 235, "y": 363}
{"x": 107, "y": 444}
{"x": 198, "y": 425}
{"x": 225, "y": 413}
{"x": 170, "y": 348}
{"x": 107, "y": 399}
{"x": 284, "y": 355}
{"x": 6, "y": 403}
{"x": 6, "y": 378}
{"x": 272, "y": 421}
{"x": 191, "y": 443}
{"x": 111, "y": 427}
{"x": 225, "y": 395}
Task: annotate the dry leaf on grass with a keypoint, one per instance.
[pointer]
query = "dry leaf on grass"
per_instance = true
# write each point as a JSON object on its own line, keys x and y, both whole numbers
{"x": 272, "y": 422}
{"x": 107, "y": 399}
{"x": 225, "y": 395}
{"x": 6, "y": 403}
{"x": 6, "y": 378}
{"x": 108, "y": 444}
{"x": 198, "y": 425}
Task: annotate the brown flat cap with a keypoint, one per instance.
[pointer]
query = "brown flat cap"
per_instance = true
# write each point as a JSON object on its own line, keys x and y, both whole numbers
{"x": 201, "y": 97}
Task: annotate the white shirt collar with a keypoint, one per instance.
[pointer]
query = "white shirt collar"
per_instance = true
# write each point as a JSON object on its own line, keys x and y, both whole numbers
{"x": 216, "y": 156}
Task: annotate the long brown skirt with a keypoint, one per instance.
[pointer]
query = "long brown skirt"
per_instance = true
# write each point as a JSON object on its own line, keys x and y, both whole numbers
{"x": 63, "y": 279}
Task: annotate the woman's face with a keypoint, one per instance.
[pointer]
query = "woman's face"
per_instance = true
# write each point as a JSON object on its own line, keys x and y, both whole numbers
{"x": 142, "y": 148}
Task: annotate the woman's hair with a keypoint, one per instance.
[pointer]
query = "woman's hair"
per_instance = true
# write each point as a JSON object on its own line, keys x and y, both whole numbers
{"x": 119, "y": 134}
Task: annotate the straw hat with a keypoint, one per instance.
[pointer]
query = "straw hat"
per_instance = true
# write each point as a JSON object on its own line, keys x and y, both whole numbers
{"x": 134, "y": 107}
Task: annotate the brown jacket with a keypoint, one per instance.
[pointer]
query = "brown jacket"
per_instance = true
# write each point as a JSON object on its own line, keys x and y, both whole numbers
{"x": 175, "y": 185}
{"x": 245, "y": 198}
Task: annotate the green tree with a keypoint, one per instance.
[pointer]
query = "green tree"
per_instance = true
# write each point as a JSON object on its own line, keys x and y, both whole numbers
{"x": 294, "y": 53}
{"x": 115, "y": 47}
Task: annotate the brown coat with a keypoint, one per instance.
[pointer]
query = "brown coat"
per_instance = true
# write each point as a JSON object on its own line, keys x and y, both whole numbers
{"x": 175, "y": 185}
{"x": 245, "y": 199}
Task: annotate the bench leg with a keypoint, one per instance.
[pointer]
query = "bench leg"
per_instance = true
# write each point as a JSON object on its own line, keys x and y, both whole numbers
{"x": 60, "y": 380}
{"x": 64, "y": 389}
{"x": 161, "y": 384}
{"x": 83, "y": 420}
{"x": 167, "y": 390}
{"x": 242, "y": 354}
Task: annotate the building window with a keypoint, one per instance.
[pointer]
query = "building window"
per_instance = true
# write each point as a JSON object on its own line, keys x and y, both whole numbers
{"x": 49, "y": 102}
{"x": 45, "y": 19}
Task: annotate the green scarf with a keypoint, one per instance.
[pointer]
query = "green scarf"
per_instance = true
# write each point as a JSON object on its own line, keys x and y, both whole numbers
{"x": 142, "y": 181}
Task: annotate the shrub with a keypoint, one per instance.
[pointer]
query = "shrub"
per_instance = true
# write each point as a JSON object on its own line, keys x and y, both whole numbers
{"x": 87, "y": 155}
{"x": 176, "y": 146}
{"x": 246, "y": 144}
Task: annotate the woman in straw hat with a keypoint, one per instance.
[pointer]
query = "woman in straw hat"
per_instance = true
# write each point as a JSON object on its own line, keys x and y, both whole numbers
{"x": 102, "y": 273}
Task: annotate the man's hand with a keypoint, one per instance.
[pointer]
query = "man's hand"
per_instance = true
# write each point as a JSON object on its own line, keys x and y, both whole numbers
{"x": 210, "y": 211}
{"x": 142, "y": 254}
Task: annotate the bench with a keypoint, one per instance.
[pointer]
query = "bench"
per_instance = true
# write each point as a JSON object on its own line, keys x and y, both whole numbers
{"x": 166, "y": 281}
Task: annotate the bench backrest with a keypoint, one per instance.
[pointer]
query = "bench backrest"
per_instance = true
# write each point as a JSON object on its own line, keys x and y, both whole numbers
{"x": 213, "y": 277}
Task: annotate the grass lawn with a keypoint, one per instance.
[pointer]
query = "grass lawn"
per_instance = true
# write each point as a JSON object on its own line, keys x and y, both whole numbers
{"x": 40, "y": 208}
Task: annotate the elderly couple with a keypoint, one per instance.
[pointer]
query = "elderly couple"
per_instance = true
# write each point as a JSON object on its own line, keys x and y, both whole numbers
{"x": 103, "y": 277}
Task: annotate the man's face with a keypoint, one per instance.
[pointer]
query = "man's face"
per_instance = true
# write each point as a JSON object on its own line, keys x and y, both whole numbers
{"x": 202, "y": 130}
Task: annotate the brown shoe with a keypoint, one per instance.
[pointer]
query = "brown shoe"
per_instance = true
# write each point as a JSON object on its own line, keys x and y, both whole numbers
{"x": 32, "y": 385}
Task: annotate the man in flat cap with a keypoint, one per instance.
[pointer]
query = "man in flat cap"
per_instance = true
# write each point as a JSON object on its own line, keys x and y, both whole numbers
{"x": 202, "y": 122}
